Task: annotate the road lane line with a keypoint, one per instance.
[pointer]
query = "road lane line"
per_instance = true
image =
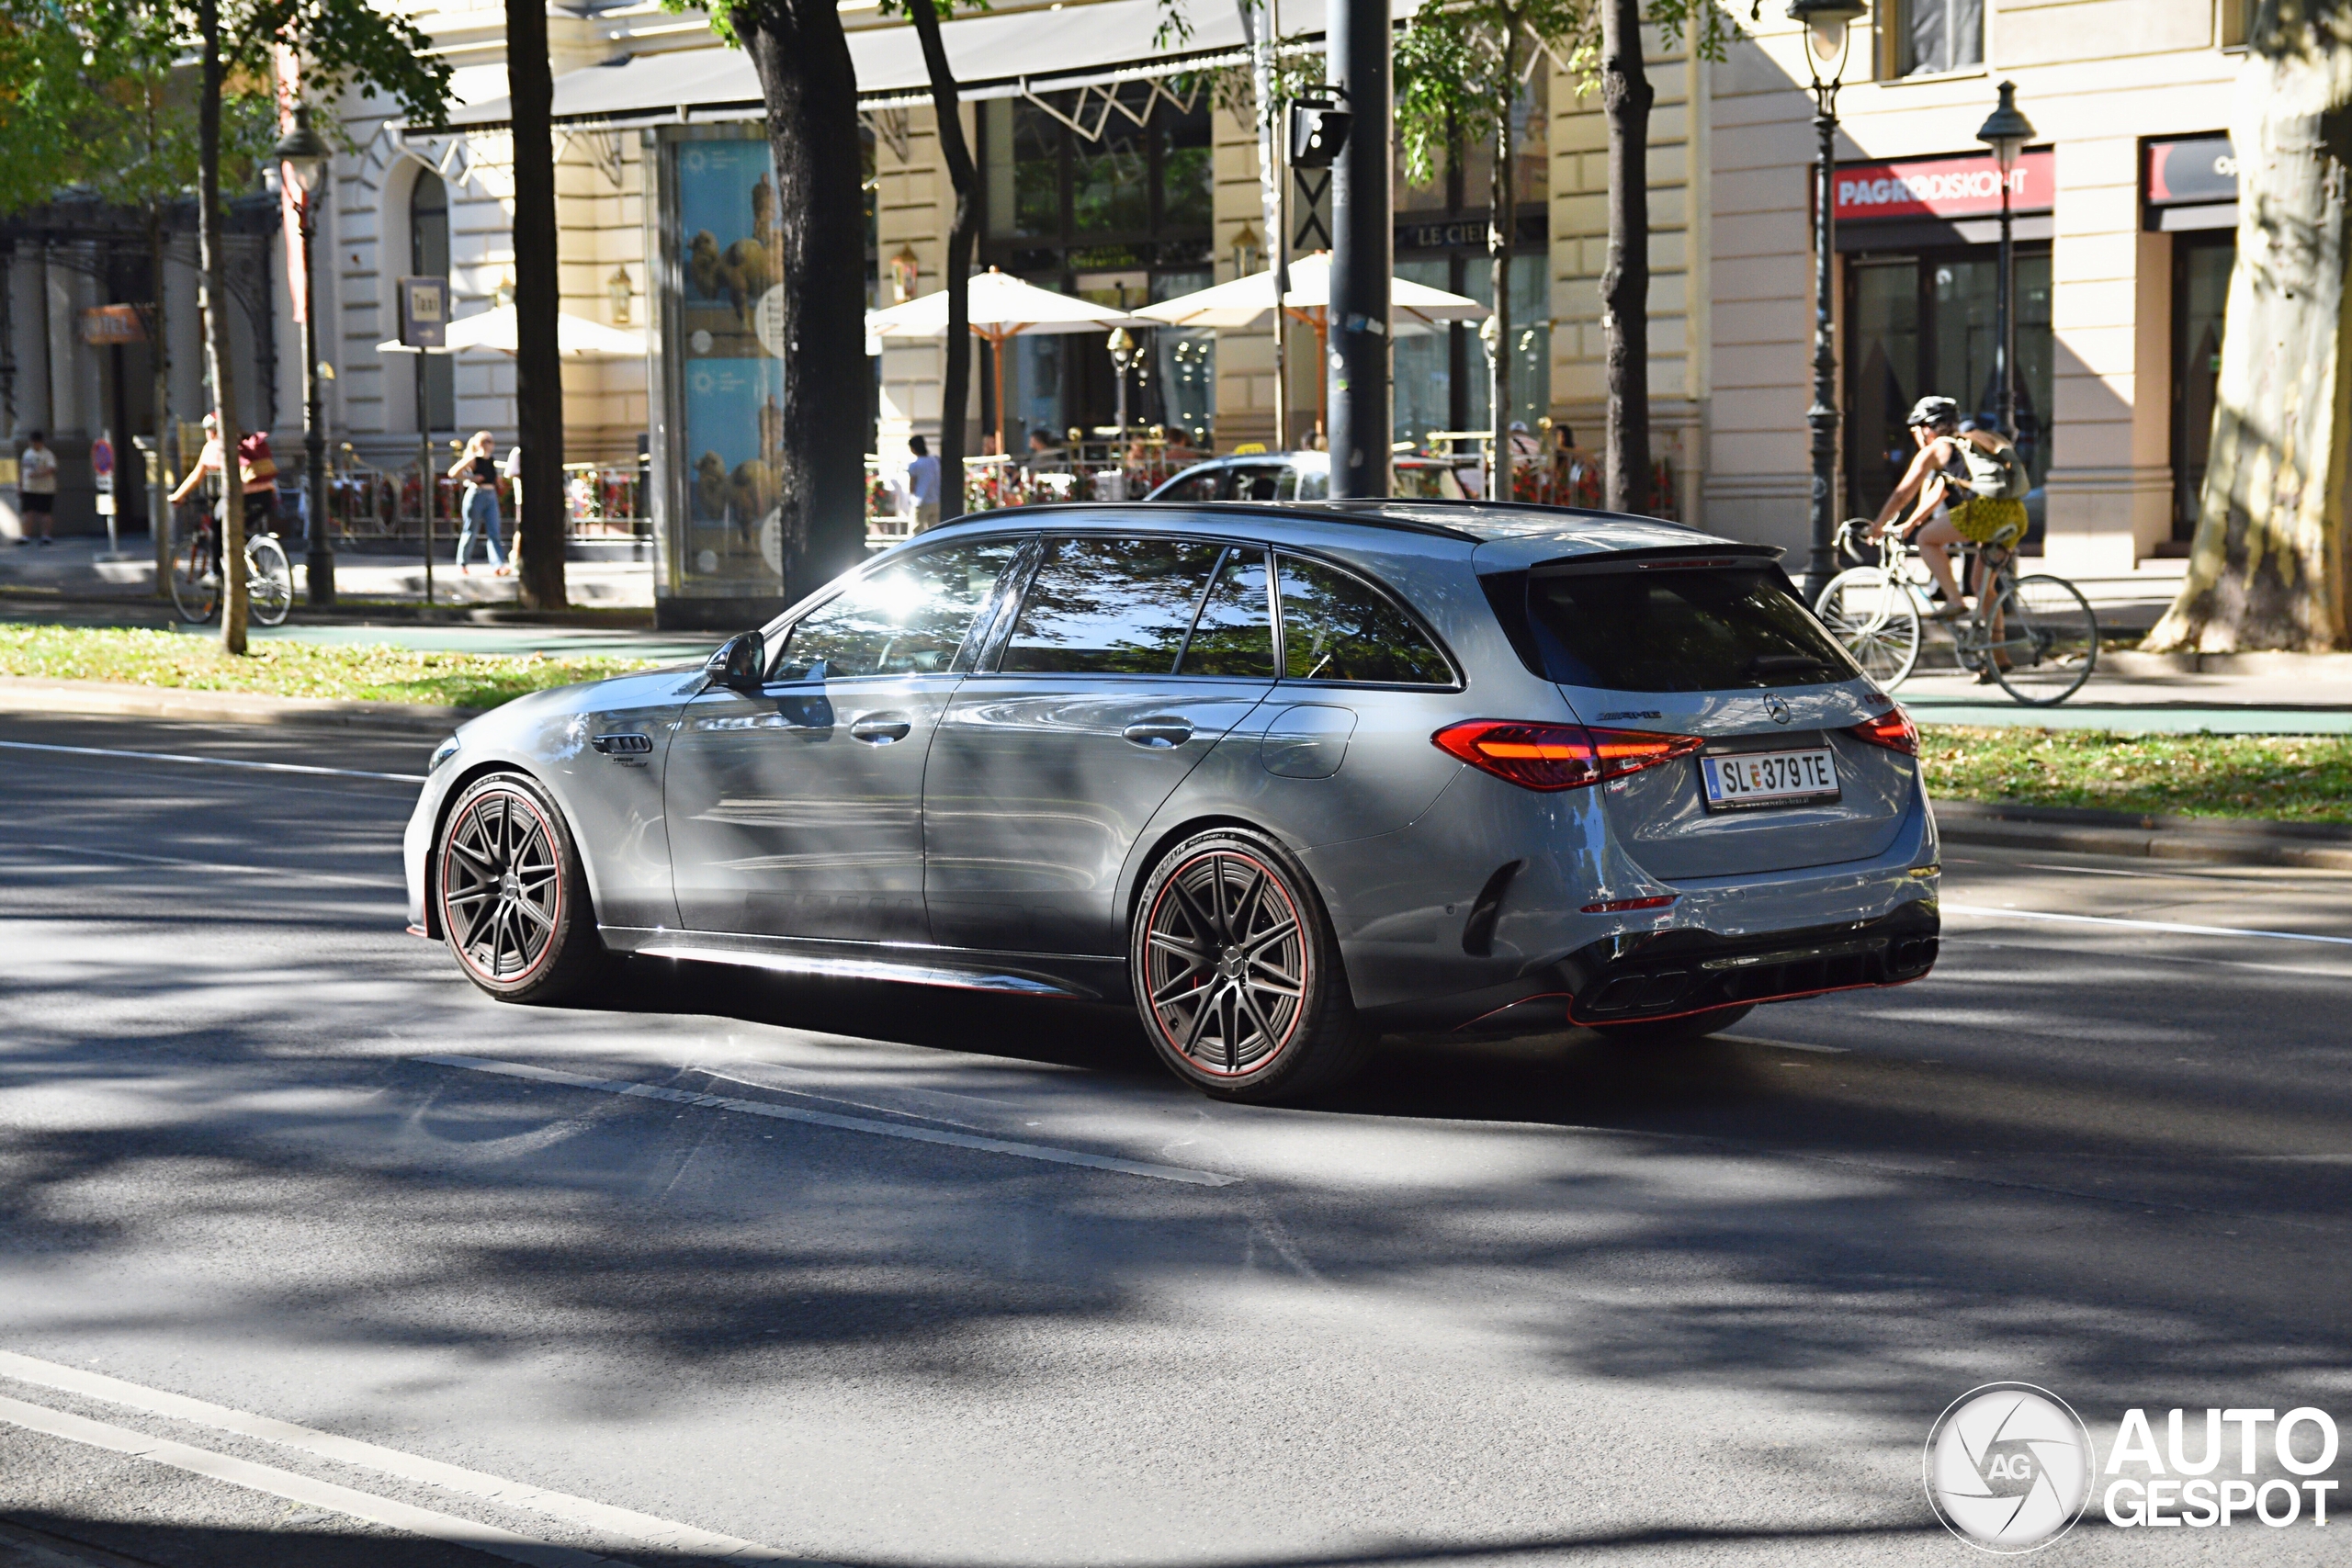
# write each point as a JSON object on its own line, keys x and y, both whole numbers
{"x": 300, "y": 1489}
{"x": 2143, "y": 925}
{"x": 388, "y": 883}
{"x": 211, "y": 761}
{"x": 666, "y": 1533}
{"x": 844, "y": 1123}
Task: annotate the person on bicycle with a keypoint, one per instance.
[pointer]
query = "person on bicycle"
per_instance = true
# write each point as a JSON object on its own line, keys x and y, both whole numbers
{"x": 1937, "y": 479}
{"x": 479, "y": 508}
{"x": 259, "y": 467}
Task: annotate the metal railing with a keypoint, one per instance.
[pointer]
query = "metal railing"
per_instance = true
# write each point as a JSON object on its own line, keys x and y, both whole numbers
{"x": 368, "y": 504}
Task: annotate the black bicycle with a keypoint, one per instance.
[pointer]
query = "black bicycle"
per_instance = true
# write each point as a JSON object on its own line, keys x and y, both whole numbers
{"x": 196, "y": 574}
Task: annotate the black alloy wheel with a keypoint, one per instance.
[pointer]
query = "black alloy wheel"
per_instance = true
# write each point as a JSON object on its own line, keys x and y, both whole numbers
{"x": 512, "y": 900}
{"x": 1237, "y": 974}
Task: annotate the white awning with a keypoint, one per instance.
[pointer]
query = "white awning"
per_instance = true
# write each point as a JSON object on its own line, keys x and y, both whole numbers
{"x": 1003, "y": 54}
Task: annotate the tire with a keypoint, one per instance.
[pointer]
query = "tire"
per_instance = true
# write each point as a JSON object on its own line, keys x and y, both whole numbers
{"x": 512, "y": 895}
{"x": 196, "y": 577}
{"x": 2052, "y": 639}
{"x": 1672, "y": 1031}
{"x": 1236, "y": 973}
{"x": 1875, "y": 620}
{"x": 269, "y": 583}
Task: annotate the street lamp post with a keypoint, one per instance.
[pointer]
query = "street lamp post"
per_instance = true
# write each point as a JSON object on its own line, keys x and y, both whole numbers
{"x": 302, "y": 154}
{"x": 1827, "y": 39}
{"x": 2006, "y": 132}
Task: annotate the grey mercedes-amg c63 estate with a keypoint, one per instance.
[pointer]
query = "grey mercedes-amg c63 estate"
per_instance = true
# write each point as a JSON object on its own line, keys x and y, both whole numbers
{"x": 1286, "y": 776}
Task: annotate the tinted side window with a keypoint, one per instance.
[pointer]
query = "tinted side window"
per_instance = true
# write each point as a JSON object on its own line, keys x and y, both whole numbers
{"x": 1706, "y": 630}
{"x": 1337, "y": 626}
{"x": 907, "y": 619}
{"x": 1255, "y": 482}
{"x": 1234, "y": 636}
{"x": 1109, "y": 606}
{"x": 1201, "y": 484}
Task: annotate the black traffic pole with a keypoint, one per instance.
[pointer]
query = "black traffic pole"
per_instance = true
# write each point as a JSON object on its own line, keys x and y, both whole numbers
{"x": 1825, "y": 42}
{"x": 1363, "y": 251}
{"x": 2006, "y": 132}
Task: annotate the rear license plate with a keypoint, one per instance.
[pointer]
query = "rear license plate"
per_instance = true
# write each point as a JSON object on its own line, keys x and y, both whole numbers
{"x": 1751, "y": 779}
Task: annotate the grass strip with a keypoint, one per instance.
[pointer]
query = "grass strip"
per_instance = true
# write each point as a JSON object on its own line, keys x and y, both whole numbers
{"x": 2277, "y": 778}
{"x": 371, "y": 673}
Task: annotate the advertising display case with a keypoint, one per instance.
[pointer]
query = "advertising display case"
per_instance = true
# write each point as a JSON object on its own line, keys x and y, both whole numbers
{"x": 719, "y": 372}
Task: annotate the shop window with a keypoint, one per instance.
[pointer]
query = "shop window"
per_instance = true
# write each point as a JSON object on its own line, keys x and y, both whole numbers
{"x": 1922, "y": 323}
{"x": 2201, "y": 292}
{"x": 1933, "y": 35}
{"x": 1110, "y": 201}
{"x": 428, "y": 256}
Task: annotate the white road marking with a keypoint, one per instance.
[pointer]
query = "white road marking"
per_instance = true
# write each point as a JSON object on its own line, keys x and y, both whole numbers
{"x": 2172, "y": 925}
{"x": 298, "y": 1488}
{"x": 666, "y": 1533}
{"x": 212, "y": 762}
{"x": 381, "y": 885}
{"x": 1788, "y": 1046}
{"x": 844, "y": 1123}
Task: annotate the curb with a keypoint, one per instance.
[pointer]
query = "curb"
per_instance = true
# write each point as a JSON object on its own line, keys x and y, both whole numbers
{"x": 2319, "y": 666}
{"x": 2310, "y": 846}
{"x": 359, "y": 611}
{"x": 120, "y": 698}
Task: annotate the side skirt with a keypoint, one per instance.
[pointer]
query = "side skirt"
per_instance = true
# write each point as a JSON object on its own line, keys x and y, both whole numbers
{"x": 1067, "y": 977}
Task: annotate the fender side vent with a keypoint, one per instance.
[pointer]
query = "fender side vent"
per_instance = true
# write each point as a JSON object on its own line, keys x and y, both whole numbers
{"x": 1478, "y": 932}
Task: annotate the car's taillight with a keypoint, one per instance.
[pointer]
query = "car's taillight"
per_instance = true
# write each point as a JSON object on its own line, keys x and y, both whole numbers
{"x": 1558, "y": 755}
{"x": 1892, "y": 729}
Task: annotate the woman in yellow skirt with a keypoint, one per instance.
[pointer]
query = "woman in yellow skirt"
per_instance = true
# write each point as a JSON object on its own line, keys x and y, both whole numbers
{"x": 1937, "y": 479}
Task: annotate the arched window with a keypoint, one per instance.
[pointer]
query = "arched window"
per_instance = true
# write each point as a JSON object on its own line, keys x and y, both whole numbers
{"x": 428, "y": 256}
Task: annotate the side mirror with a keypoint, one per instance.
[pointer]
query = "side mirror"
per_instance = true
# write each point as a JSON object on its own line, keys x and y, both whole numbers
{"x": 739, "y": 663}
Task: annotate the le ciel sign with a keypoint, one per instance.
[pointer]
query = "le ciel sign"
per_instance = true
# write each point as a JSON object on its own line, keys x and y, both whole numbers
{"x": 1966, "y": 186}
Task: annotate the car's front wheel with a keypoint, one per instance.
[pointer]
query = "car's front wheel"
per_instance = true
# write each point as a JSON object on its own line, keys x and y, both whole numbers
{"x": 514, "y": 899}
{"x": 1237, "y": 975}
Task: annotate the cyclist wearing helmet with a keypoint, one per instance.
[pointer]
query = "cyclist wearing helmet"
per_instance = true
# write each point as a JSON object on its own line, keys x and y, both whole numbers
{"x": 1937, "y": 479}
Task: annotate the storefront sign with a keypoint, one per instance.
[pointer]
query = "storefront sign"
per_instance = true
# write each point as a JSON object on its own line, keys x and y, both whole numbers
{"x": 111, "y": 324}
{"x": 1967, "y": 187}
{"x": 2194, "y": 169}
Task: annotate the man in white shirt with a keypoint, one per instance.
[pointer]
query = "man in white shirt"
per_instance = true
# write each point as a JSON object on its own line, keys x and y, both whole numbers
{"x": 923, "y": 482}
{"x": 37, "y": 488}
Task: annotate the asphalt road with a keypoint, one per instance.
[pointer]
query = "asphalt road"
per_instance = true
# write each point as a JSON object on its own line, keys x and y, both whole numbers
{"x": 1547, "y": 1301}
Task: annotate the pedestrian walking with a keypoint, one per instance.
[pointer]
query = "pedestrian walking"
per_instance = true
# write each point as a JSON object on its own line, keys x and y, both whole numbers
{"x": 37, "y": 488}
{"x": 478, "y": 508}
{"x": 923, "y": 484}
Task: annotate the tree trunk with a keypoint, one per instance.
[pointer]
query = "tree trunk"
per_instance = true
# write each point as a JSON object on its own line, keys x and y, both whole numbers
{"x": 159, "y": 355}
{"x": 1503, "y": 221}
{"x": 945, "y": 107}
{"x": 1625, "y": 98}
{"x": 539, "y": 357}
{"x": 2268, "y": 569}
{"x": 810, "y": 90}
{"x": 212, "y": 299}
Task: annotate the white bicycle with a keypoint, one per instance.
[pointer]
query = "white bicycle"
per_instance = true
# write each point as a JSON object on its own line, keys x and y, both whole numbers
{"x": 2036, "y": 636}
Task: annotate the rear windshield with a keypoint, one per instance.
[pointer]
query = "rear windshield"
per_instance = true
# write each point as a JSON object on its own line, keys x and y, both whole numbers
{"x": 1706, "y": 630}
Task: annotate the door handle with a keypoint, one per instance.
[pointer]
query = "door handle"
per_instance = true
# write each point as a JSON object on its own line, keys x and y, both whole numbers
{"x": 880, "y": 729}
{"x": 1158, "y": 732}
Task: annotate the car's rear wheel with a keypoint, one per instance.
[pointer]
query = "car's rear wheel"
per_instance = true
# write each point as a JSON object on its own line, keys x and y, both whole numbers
{"x": 512, "y": 898}
{"x": 1237, "y": 975}
{"x": 1668, "y": 1031}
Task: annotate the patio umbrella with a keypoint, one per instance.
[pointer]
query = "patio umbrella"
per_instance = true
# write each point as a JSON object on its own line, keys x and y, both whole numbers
{"x": 1245, "y": 301}
{"x": 576, "y": 337}
{"x": 1001, "y": 308}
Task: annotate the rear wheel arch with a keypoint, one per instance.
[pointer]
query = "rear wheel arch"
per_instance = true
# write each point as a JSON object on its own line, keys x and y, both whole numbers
{"x": 1141, "y": 866}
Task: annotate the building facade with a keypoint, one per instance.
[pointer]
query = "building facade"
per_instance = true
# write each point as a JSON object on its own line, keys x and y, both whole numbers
{"x": 1124, "y": 171}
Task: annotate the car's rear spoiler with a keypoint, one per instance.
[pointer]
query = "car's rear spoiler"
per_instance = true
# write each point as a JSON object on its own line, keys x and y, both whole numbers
{"x": 1673, "y": 557}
